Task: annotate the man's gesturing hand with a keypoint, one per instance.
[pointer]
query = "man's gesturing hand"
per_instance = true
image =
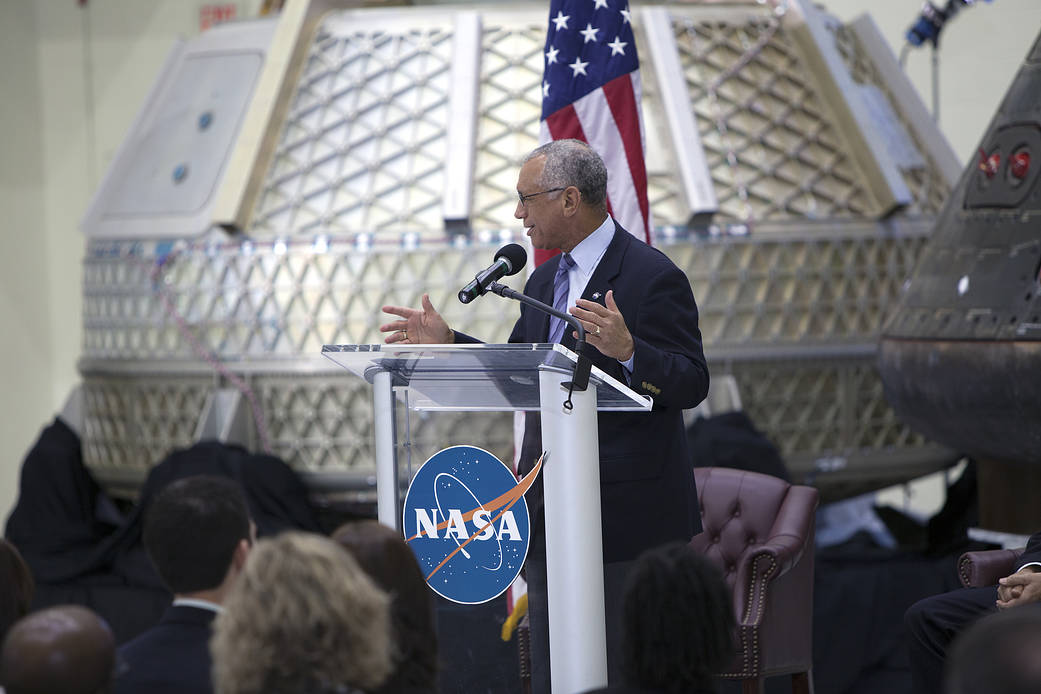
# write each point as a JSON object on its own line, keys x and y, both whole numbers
{"x": 605, "y": 327}
{"x": 417, "y": 326}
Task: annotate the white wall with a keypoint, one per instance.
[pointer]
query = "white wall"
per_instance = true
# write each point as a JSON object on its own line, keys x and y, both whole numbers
{"x": 27, "y": 347}
{"x": 74, "y": 78}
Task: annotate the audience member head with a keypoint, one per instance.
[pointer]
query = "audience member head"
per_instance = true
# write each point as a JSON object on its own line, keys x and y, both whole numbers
{"x": 59, "y": 650}
{"x": 386, "y": 557}
{"x": 16, "y": 586}
{"x": 302, "y": 617}
{"x": 198, "y": 532}
{"x": 678, "y": 621}
{"x": 998, "y": 654}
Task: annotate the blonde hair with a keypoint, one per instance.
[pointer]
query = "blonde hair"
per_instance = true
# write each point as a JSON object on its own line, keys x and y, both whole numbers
{"x": 302, "y": 617}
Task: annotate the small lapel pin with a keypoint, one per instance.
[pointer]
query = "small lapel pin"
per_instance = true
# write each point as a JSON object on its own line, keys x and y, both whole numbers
{"x": 596, "y": 295}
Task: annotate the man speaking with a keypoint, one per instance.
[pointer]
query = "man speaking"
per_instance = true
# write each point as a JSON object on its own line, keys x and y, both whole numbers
{"x": 641, "y": 325}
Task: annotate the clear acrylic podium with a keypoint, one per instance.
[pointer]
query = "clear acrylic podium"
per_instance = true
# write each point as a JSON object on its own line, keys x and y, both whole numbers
{"x": 503, "y": 378}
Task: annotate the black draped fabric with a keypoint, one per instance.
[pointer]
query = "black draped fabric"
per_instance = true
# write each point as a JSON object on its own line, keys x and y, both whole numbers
{"x": 276, "y": 495}
{"x": 81, "y": 550}
{"x": 61, "y": 517}
{"x": 61, "y": 514}
{"x": 68, "y": 530}
{"x": 732, "y": 440}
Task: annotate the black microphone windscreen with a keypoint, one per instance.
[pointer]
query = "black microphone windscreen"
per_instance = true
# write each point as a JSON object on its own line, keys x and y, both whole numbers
{"x": 515, "y": 255}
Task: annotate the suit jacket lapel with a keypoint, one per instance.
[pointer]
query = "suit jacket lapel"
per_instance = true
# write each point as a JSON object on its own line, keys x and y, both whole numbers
{"x": 607, "y": 269}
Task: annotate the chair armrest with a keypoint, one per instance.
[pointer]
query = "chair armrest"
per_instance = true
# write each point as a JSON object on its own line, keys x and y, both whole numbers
{"x": 793, "y": 526}
{"x": 984, "y": 568}
{"x": 761, "y": 567}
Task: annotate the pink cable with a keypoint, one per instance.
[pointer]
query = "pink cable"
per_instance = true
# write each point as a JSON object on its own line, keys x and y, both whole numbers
{"x": 206, "y": 354}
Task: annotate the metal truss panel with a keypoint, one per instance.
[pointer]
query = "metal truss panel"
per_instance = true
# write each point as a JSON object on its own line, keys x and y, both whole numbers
{"x": 321, "y": 425}
{"x": 364, "y": 143}
{"x": 930, "y": 178}
{"x": 690, "y": 156}
{"x": 769, "y": 292}
{"x": 132, "y": 425}
{"x": 212, "y": 299}
{"x": 772, "y": 149}
{"x": 509, "y": 109}
{"x": 462, "y": 122}
{"x": 858, "y": 118}
{"x": 821, "y": 292}
{"x": 822, "y": 410}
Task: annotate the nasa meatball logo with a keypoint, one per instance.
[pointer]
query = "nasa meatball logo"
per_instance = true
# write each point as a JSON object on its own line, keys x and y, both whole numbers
{"x": 466, "y": 520}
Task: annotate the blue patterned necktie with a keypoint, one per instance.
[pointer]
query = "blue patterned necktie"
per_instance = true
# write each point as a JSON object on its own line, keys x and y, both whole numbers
{"x": 561, "y": 284}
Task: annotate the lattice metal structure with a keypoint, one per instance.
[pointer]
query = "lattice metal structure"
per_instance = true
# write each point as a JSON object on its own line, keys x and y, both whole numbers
{"x": 794, "y": 275}
{"x": 131, "y": 418}
{"x": 510, "y": 104}
{"x": 364, "y": 141}
{"x": 926, "y": 178}
{"x": 797, "y": 287}
{"x": 772, "y": 149}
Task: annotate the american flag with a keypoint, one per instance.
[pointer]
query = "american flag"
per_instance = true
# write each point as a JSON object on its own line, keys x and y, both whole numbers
{"x": 591, "y": 92}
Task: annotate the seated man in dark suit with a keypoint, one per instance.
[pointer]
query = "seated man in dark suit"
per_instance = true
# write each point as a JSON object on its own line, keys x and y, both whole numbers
{"x": 933, "y": 623}
{"x": 198, "y": 533}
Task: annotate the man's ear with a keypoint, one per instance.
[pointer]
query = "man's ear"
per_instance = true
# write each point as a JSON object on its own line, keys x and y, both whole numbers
{"x": 238, "y": 559}
{"x": 572, "y": 197}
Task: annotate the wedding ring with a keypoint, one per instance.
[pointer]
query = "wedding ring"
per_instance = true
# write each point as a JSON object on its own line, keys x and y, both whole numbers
{"x": 597, "y": 333}
{"x": 404, "y": 335}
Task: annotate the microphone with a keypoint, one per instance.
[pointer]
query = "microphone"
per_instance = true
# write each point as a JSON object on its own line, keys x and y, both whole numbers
{"x": 930, "y": 21}
{"x": 508, "y": 261}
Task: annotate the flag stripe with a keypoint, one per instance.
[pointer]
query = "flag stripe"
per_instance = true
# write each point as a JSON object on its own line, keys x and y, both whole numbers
{"x": 599, "y": 124}
{"x": 565, "y": 124}
{"x": 623, "y": 100}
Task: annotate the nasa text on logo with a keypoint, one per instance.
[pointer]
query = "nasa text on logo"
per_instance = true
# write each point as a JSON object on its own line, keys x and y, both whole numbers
{"x": 466, "y": 521}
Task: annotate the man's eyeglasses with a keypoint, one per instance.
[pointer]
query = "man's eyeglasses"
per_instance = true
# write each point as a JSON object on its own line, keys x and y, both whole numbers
{"x": 524, "y": 198}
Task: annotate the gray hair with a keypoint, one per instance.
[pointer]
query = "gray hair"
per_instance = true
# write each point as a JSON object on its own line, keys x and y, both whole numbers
{"x": 303, "y": 616}
{"x": 574, "y": 163}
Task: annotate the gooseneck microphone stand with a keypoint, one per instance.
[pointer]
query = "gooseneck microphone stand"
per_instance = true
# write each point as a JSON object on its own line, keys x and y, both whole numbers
{"x": 580, "y": 376}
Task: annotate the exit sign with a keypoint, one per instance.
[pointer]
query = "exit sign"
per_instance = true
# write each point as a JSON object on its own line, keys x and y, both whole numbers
{"x": 210, "y": 15}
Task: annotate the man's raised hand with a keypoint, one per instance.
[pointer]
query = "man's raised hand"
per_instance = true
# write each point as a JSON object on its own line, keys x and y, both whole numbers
{"x": 417, "y": 325}
{"x": 605, "y": 327}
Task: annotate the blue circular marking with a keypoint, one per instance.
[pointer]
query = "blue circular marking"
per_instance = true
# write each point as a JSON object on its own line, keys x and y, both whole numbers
{"x": 482, "y": 561}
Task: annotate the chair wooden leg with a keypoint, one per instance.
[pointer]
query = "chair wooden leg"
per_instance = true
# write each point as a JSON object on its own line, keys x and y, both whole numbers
{"x": 524, "y": 655}
{"x": 802, "y": 682}
{"x": 752, "y": 685}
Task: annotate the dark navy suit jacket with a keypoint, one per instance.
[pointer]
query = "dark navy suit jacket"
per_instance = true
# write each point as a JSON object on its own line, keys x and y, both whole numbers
{"x": 647, "y": 489}
{"x": 173, "y": 657}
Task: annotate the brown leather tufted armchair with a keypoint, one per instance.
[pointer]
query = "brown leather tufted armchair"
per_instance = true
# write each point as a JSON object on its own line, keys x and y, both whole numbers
{"x": 759, "y": 531}
{"x": 985, "y": 567}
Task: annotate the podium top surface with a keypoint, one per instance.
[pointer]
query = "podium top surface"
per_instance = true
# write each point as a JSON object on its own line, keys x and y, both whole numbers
{"x": 476, "y": 377}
